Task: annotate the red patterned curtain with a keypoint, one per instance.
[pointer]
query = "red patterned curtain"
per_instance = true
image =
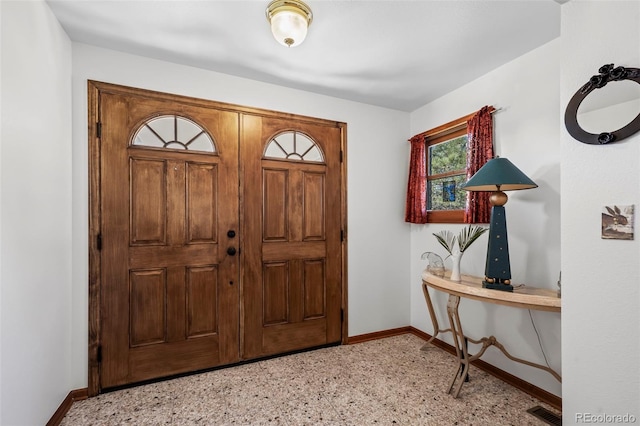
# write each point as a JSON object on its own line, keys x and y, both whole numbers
{"x": 416, "y": 206}
{"x": 479, "y": 151}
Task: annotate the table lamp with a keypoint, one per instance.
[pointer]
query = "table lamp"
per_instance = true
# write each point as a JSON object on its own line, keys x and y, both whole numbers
{"x": 498, "y": 175}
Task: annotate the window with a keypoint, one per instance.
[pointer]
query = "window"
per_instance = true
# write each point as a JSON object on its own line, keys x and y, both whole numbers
{"x": 173, "y": 132}
{"x": 439, "y": 165}
{"x": 446, "y": 157}
{"x": 292, "y": 145}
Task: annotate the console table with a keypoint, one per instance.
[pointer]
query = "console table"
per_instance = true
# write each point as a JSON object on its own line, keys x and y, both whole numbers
{"x": 524, "y": 297}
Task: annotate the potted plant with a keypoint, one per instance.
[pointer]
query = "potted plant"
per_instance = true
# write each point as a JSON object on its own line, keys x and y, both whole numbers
{"x": 456, "y": 245}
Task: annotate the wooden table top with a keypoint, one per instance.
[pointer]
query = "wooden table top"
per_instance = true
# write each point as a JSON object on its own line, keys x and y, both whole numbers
{"x": 526, "y": 297}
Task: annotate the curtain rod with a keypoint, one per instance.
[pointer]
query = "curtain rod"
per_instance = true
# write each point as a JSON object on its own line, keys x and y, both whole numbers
{"x": 444, "y": 127}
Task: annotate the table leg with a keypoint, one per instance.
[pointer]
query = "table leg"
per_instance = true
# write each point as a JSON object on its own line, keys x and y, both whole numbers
{"x": 466, "y": 345}
{"x": 459, "y": 343}
{"x": 434, "y": 319}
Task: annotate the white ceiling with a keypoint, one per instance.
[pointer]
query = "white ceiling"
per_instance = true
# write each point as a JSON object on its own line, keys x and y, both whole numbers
{"x": 396, "y": 54}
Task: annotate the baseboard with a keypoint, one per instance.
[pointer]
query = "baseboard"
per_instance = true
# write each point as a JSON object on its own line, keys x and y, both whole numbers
{"x": 516, "y": 382}
{"x": 378, "y": 335}
{"x": 74, "y": 395}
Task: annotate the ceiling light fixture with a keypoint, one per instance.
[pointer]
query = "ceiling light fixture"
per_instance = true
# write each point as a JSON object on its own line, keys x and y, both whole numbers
{"x": 289, "y": 20}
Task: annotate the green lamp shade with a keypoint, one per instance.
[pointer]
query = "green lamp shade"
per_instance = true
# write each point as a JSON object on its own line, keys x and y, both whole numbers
{"x": 499, "y": 174}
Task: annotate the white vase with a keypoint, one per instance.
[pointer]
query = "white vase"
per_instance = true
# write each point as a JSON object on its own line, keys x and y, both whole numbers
{"x": 455, "y": 269}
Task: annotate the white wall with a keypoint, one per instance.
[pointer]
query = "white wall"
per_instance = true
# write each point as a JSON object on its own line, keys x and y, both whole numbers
{"x": 526, "y": 131}
{"x": 601, "y": 298}
{"x": 35, "y": 196}
{"x": 1, "y": 138}
{"x": 376, "y": 153}
{"x": 1, "y": 134}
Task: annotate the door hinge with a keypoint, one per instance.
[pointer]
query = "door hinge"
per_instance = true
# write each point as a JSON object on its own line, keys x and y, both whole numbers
{"x": 99, "y": 354}
{"x": 341, "y": 156}
{"x": 99, "y": 241}
{"x": 98, "y": 130}
{"x": 342, "y": 235}
{"x": 341, "y": 315}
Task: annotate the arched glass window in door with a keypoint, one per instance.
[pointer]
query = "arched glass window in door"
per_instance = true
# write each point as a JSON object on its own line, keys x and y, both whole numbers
{"x": 173, "y": 132}
{"x": 292, "y": 145}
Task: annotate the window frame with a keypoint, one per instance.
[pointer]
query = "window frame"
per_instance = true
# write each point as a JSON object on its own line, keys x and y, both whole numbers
{"x": 447, "y": 131}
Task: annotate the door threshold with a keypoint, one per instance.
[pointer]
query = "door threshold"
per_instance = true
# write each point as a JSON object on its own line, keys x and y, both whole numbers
{"x": 219, "y": 367}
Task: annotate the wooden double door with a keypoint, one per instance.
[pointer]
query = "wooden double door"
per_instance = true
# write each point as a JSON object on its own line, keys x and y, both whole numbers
{"x": 216, "y": 234}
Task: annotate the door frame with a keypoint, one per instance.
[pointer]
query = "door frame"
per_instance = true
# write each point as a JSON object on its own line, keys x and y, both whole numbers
{"x": 94, "y": 88}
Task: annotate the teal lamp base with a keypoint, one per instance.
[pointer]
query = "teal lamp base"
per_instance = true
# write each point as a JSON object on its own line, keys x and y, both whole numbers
{"x": 498, "y": 269}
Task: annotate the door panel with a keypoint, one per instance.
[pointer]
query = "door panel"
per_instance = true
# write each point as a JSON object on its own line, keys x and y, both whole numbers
{"x": 314, "y": 292}
{"x": 202, "y": 298}
{"x": 275, "y": 205}
{"x": 169, "y": 292}
{"x": 313, "y": 213}
{"x": 276, "y": 293}
{"x": 148, "y": 201}
{"x": 292, "y": 279}
{"x": 202, "y": 187}
{"x": 147, "y": 299}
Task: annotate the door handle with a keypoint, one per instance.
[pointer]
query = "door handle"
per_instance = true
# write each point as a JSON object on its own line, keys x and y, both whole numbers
{"x": 231, "y": 233}
{"x": 231, "y": 251}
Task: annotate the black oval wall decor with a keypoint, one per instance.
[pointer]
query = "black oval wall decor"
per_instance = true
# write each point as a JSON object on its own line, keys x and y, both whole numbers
{"x": 607, "y": 73}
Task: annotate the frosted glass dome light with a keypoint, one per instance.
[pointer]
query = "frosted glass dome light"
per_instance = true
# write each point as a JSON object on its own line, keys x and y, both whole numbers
{"x": 289, "y": 21}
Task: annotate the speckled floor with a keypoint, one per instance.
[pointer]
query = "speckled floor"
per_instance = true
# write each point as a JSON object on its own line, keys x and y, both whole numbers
{"x": 385, "y": 381}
